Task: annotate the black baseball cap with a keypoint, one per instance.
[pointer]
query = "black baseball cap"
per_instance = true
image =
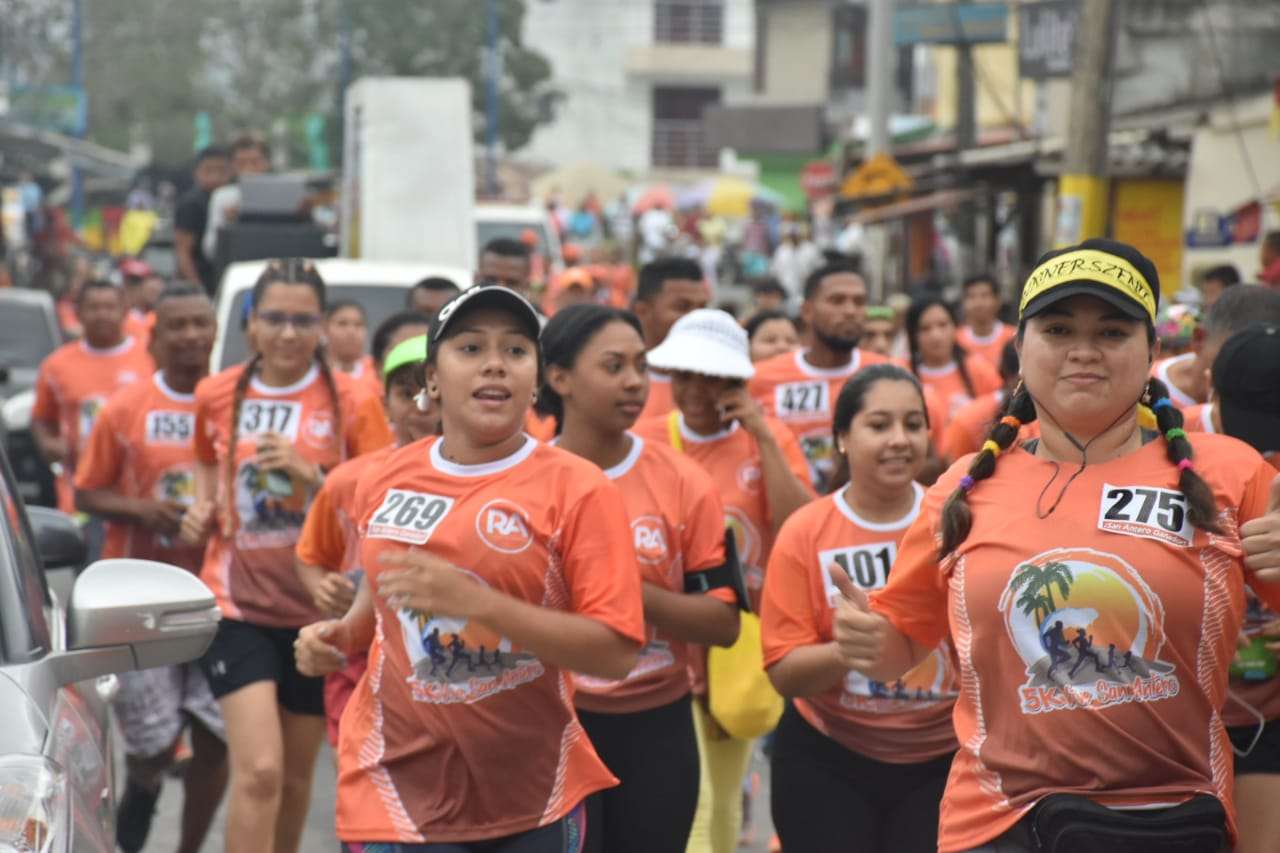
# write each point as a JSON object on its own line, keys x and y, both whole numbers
{"x": 1246, "y": 386}
{"x": 485, "y": 296}
{"x": 1112, "y": 271}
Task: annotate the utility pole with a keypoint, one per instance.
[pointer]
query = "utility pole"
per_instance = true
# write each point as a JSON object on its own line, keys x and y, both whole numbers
{"x": 879, "y": 74}
{"x": 344, "y": 71}
{"x": 77, "y": 82}
{"x": 493, "y": 68}
{"x": 1083, "y": 188}
{"x": 966, "y": 137}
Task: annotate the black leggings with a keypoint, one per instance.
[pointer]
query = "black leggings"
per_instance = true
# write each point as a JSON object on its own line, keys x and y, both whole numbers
{"x": 828, "y": 799}
{"x": 655, "y": 756}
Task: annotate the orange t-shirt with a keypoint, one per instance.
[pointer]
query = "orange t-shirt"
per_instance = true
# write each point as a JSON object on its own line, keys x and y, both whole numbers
{"x": 970, "y": 426}
{"x": 804, "y": 398}
{"x": 329, "y": 538}
{"x": 732, "y": 458}
{"x": 139, "y": 326}
{"x": 141, "y": 447}
{"x": 541, "y": 428}
{"x": 364, "y": 378}
{"x": 947, "y": 383}
{"x": 987, "y": 347}
{"x": 72, "y": 386}
{"x": 426, "y": 747}
{"x": 905, "y": 722}
{"x": 1262, "y": 695}
{"x": 1093, "y": 644}
{"x": 677, "y": 525}
{"x": 660, "y": 400}
{"x": 252, "y": 575}
{"x": 1160, "y": 370}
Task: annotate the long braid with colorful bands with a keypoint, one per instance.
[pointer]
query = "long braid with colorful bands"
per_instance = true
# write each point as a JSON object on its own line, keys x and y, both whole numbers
{"x": 1202, "y": 509}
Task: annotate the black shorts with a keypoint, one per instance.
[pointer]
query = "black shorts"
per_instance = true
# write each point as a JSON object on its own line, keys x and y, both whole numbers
{"x": 242, "y": 654}
{"x": 1265, "y": 755}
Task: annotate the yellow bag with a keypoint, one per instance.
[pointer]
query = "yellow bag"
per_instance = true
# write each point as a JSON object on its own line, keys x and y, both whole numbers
{"x": 740, "y": 696}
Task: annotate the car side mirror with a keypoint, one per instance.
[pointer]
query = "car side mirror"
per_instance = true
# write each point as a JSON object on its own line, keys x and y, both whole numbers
{"x": 135, "y": 614}
{"x": 59, "y": 540}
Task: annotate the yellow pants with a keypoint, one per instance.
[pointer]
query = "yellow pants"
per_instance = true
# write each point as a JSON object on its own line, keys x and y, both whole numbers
{"x": 722, "y": 762}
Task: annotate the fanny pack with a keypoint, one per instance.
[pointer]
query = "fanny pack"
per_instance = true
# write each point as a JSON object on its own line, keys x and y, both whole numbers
{"x": 1068, "y": 823}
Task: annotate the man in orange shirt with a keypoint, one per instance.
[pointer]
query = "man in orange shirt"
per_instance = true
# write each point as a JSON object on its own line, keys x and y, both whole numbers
{"x": 77, "y": 378}
{"x": 982, "y": 333}
{"x": 137, "y": 472}
{"x": 669, "y": 288}
{"x": 799, "y": 388}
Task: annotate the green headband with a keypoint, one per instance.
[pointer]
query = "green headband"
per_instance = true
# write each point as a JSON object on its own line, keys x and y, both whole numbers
{"x": 409, "y": 351}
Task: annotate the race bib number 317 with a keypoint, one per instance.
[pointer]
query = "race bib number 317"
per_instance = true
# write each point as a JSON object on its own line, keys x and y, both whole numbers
{"x": 258, "y": 417}
{"x": 409, "y": 517}
{"x": 1147, "y": 512}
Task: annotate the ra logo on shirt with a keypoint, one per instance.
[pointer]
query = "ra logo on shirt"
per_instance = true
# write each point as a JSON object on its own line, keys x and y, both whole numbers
{"x": 504, "y": 526}
{"x": 649, "y": 533}
{"x": 1090, "y": 631}
{"x": 454, "y": 661}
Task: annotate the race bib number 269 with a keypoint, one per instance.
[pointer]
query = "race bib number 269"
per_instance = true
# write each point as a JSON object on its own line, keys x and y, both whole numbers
{"x": 1147, "y": 512}
{"x": 409, "y": 517}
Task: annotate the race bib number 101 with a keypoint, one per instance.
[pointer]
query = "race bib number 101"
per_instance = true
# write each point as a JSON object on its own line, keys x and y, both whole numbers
{"x": 409, "y": 517}
{"x": 866, "y": 565}
{"x": 1150, "y": 513}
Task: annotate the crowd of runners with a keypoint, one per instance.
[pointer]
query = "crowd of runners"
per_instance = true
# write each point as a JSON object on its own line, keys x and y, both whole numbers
{"x": 1015, "y": 582}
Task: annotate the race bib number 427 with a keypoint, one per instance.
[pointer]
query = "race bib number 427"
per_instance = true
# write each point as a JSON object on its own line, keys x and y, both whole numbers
{"x": 409, "y": 517}
{"x": 1150, "y": 513}
{"x": 802, "y": 399}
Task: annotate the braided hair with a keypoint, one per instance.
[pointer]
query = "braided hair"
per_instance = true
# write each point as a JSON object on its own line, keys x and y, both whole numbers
{"x": 282, "y": 271}
{"x": 958, "y": 353}
{"x": 1202, "y": 509}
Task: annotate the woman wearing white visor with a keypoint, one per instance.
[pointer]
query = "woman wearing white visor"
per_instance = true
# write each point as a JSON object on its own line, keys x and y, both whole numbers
{"x": 763, "y": 477}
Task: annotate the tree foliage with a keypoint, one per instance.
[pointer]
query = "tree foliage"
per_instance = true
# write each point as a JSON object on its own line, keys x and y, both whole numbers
{"x": 152, "y": 65}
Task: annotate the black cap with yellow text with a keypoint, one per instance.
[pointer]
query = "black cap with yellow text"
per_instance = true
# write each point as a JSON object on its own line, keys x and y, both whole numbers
{"x": 1114, "y": 272}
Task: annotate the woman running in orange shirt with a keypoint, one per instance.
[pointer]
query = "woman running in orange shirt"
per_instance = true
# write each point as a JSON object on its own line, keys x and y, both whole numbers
{"x": 853, "y": 757}
{"x": 328, "y": 550}
{"x": 346, "y": 328}
{"x": 956, "y": 376}
{"x": 265, "y": 433}
{"x": 642, "y": 726}
{"x": 496, "y": 566}
{"x": 1092, "y": 583}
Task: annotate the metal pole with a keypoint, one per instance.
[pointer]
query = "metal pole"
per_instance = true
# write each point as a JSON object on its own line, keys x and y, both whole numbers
{"x": 344, "y": 66}
{"x": 1083, "y": 190}
{"x": 879, "y": 74}
{"x": 491, "y": 102}
{"x": 77, "y": 81}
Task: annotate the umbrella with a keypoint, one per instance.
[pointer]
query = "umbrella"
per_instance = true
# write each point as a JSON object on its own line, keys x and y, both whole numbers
{"x": 659, "y": 195}
{"x": 733, "y": 197}
{"x": 575, "y": 182}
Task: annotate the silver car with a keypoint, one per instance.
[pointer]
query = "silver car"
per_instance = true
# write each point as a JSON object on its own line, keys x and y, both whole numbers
{"x": 58, "y": 665}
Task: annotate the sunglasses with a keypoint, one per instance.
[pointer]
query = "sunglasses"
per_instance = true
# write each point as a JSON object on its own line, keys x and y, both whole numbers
{"x": 280, "y": 319}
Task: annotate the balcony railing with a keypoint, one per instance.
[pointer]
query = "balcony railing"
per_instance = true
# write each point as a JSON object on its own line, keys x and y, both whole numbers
{"x": 681, "y": 144}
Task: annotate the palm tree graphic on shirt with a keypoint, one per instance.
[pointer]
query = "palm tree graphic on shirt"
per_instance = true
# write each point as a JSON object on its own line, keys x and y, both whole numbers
{"x": 1037, "y": 583}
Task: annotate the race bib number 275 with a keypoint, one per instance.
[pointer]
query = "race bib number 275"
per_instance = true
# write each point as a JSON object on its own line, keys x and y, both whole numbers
{"x": 1147, "y": 512}
{"x": 409, "y": 517}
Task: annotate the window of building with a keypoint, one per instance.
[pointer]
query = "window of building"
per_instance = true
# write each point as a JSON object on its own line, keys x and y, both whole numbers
{"x": 688, "y": 21}
{"x": 848, "y": 47}
{"x": 678, "y": 137}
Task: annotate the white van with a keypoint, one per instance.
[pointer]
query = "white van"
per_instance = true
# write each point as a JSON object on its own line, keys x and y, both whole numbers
{"x": 380, "y": 286}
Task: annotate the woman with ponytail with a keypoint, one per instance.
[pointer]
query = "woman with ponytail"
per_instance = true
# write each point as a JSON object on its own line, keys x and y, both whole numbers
{"x": 854, "y": 758}
{"x": 957, "y": 377}
{"x": 642, "y": 725}
{"x": 1092, "y": 584}
{"x": 265, "y": 433}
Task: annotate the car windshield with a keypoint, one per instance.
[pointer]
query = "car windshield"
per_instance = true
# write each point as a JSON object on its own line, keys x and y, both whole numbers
{"x": 25, "y": 334}
{"x": 380, "y": 301}
{"x": 486, "y": 231}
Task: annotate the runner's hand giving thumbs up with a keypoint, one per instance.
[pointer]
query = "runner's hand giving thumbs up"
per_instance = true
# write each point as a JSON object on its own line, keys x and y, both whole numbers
{"x": 1261, "y": 539}
{"x": 861, "y": 635}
